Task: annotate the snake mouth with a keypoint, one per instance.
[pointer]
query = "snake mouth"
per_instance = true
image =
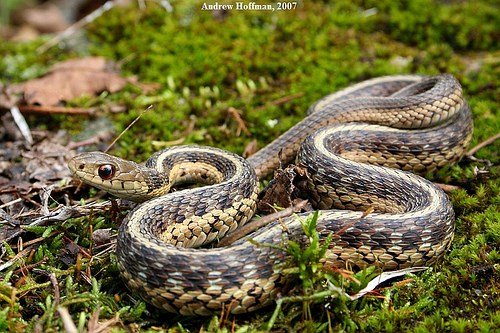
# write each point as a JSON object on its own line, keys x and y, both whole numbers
{"x": 100, "y": 170}
{"x": 72, "y": 165}
{"x": 77, "y": 168}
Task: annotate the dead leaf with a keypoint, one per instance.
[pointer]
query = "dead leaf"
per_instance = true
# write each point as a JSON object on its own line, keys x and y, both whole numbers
{"x": 384, "y": 276}
{"x": 282, "y": 190}
{"x": 74, "y": 78}
{"x": 87, "y": 63}
{"x": 46, "y": 18}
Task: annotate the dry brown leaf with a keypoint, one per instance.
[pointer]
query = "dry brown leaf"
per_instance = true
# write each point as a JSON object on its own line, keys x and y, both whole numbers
{"x": 282, "y": 190}
{"x": 74, "y": 78}
{"x": 87, "y": 63}
{"x": 46, "y": 18}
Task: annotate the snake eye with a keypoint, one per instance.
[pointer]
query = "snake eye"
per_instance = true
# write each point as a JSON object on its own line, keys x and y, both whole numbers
{"x": 106, "y": 171}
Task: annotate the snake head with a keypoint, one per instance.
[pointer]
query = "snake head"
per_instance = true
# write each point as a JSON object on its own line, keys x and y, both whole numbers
{"x": 122, "y": 178}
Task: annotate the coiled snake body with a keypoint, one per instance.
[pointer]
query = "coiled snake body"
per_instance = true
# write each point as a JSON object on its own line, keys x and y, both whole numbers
{"x": 423, "y": 123}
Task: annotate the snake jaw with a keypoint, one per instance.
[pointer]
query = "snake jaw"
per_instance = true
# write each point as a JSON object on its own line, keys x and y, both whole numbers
{"x": 121, "y": 178}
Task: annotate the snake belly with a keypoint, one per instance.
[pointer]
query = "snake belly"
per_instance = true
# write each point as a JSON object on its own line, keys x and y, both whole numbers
{"x": 407, "y": 122}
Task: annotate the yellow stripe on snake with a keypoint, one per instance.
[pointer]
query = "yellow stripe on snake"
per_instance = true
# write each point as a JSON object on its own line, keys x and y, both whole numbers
{"x": 409, "y": 122}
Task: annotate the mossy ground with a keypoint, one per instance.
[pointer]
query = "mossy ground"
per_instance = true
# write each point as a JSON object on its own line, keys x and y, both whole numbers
{"x": 207, "y": 62}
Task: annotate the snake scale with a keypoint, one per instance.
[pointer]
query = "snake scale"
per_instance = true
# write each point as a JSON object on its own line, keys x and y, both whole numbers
{"x": 409, "y": 122}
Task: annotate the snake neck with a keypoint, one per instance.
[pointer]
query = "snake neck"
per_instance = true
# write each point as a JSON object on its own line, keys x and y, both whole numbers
{"x": 196, "y": 216}
{"x": 154, "y": 184}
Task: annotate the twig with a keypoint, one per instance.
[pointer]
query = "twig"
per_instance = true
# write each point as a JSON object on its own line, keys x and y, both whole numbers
{"x": 9, "y": 219}
{"x": 483, "y": 144}
{"x": 367, "y": 212}
{"x": 13, "y": 260}
{"x": 334, "y": 291}
{"x": 55, "y": 284}
{"x": 44, "y": 198}
{"x": 56, "y": 109}
{"x": 250, "y": 149}
{"x": 128, "y": 127}
{"x": 11, "y": 203}
{"x": 241, "y": 124}
{"x": 61, "y": 214}
{"x": 69, "y": 324}
{"x": 259, "y": 223}
{"x": 22, "y": 125}
{"x": 76, "y": 26}
{"x": 447, "y": 187}
{"x": 94, "y": 326}
{"x": 26, "y": 268}
{"x": 73, "y": 145}
{"x": 88, "y": 19}
{"x": 38, "y": 239}
{"x": 281, "y": 100}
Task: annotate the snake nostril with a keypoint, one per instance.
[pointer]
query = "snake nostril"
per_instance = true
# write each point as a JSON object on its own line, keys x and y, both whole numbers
{"x": 81, "y": 166}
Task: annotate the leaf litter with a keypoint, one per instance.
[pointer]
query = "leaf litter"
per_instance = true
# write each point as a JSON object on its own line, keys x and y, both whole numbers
{"x": 33, "y": 164}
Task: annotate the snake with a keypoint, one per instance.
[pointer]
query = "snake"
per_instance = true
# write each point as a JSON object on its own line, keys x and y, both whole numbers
{"x": 363, "y": 148}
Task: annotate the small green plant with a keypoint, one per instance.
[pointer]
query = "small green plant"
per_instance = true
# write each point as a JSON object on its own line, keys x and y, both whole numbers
{"x": 307, "y": 261}
{"x": 308, "y": 258}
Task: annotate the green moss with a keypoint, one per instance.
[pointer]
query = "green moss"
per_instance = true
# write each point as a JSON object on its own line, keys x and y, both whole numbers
{"x": 425, "y": 22}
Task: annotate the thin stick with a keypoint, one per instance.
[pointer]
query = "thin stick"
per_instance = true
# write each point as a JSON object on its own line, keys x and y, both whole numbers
{"x": 76, "y": 26}
{"x": 68, "y": 323}
{"x": 281, "y": 100}
{"x": 447, "y": 187}
{"x": 9, "y": 203}
{"x": 56, "y": 109}
{"x": 367, "y": 212}
{"x": 258, "y": 223}
{"x": 25, "y": 269}
{"x": 128, "y": 127}
{"x": 241, "y": 124}
{"x": 483, "y": 144}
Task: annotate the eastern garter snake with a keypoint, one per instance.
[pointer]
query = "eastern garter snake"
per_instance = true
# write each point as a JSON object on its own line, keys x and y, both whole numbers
{"x": 424, "y": 123}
